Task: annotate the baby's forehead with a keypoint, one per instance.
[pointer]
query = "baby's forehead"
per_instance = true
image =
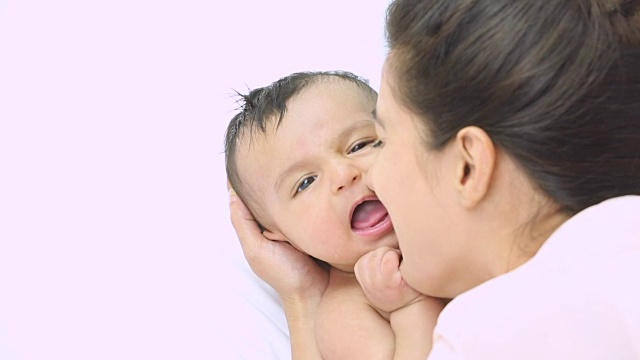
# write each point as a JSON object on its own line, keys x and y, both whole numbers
{"x": 309, "y": 100}
{"x": 260, "y": 149}
{"x": 333, "y": 105}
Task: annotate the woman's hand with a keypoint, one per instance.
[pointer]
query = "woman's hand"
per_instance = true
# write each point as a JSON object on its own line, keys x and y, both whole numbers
{"x": 378, "y": 272}
{"x": 295, "y": 276}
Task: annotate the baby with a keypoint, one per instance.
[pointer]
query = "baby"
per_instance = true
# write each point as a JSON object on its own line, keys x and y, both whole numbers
{"x": 296, "y": 154}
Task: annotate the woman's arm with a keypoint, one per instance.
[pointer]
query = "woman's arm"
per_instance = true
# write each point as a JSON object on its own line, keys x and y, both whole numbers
{"x": 301, "y": 319}
{"x": 297, "y": 278}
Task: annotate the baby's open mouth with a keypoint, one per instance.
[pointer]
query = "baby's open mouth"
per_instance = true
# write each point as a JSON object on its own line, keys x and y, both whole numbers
{"x": 367, "y": 215}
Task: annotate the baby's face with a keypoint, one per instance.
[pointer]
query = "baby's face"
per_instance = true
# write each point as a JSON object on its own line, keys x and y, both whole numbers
{"x": 308, "y": 176}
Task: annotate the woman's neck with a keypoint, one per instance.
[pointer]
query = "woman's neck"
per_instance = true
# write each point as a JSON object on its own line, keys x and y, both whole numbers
{"x": 520, "y": 217}
{"x": 530, "y": 237}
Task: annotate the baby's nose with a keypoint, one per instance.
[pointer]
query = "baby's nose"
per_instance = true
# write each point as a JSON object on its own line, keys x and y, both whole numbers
{"x": 345, "y": 176}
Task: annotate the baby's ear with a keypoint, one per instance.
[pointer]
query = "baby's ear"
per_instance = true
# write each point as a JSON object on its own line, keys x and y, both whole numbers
{"x": 274, "y": 235}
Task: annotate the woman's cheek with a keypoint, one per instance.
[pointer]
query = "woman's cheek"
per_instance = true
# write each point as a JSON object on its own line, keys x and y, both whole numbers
{"x": 384, "y": 180}
{"x": 372, "y": 176}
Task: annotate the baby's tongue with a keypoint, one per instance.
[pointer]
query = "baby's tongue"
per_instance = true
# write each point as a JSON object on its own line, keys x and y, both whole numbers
{"x": 368, "y": 214}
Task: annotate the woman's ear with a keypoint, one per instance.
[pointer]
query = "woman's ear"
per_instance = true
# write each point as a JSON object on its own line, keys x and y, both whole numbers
{"x": 474, "y": 170}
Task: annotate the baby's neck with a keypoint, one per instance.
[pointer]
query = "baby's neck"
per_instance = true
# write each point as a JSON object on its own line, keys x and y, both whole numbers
{"x": 341, "y": 274}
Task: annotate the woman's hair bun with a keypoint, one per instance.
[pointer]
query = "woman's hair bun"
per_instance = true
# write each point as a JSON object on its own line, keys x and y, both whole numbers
{"x": 624, "y": 17}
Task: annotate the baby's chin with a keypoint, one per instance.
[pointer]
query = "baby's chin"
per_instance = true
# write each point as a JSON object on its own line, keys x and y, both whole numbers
{"x": 389, "y": 240}
{"x": 348, "y": 268}
{"x": 392, "y": 241}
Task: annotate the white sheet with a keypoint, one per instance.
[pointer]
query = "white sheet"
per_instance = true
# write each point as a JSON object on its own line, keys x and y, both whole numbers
{"x": 115, "y": 241}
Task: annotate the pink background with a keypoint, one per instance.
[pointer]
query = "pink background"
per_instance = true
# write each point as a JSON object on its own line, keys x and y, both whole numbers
{"x": 115, "y": 241}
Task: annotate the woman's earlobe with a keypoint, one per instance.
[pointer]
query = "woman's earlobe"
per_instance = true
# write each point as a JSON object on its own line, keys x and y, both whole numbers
{"x": 475, "y": 170}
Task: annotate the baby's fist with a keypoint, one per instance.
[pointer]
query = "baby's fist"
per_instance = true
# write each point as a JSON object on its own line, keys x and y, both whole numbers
{"x": 378, "y": 272}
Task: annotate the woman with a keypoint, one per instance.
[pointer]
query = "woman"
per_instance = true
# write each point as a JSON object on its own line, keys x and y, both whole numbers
{"x": 510, "y": 138}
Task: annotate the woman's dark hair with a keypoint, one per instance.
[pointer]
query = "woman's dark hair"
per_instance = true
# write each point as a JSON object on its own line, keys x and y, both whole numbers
{"x": 555, "y": 84}
{"x": 268, "y": 105}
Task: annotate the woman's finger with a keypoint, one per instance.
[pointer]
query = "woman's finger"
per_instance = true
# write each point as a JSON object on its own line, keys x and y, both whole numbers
{"x": 245, "y": 224}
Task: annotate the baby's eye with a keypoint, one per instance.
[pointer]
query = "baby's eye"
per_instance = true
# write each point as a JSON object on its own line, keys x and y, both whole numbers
{"x": 359, "y": 146}
{"x": 305, "y": 183}
{"x": 377, "y": 144}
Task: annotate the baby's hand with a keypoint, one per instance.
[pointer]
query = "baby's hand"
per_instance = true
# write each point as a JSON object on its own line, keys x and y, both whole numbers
{"x": 379, "y": 275}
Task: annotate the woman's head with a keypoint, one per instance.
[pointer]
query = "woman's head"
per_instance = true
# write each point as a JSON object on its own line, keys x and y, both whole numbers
{"x": 548, "y": 89}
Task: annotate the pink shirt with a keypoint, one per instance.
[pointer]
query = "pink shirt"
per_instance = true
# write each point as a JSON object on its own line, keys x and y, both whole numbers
{"x": 577, "y": 298}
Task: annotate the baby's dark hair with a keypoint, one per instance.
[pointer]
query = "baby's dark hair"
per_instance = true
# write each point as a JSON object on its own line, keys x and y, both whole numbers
{"x": 267, "y": 105}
